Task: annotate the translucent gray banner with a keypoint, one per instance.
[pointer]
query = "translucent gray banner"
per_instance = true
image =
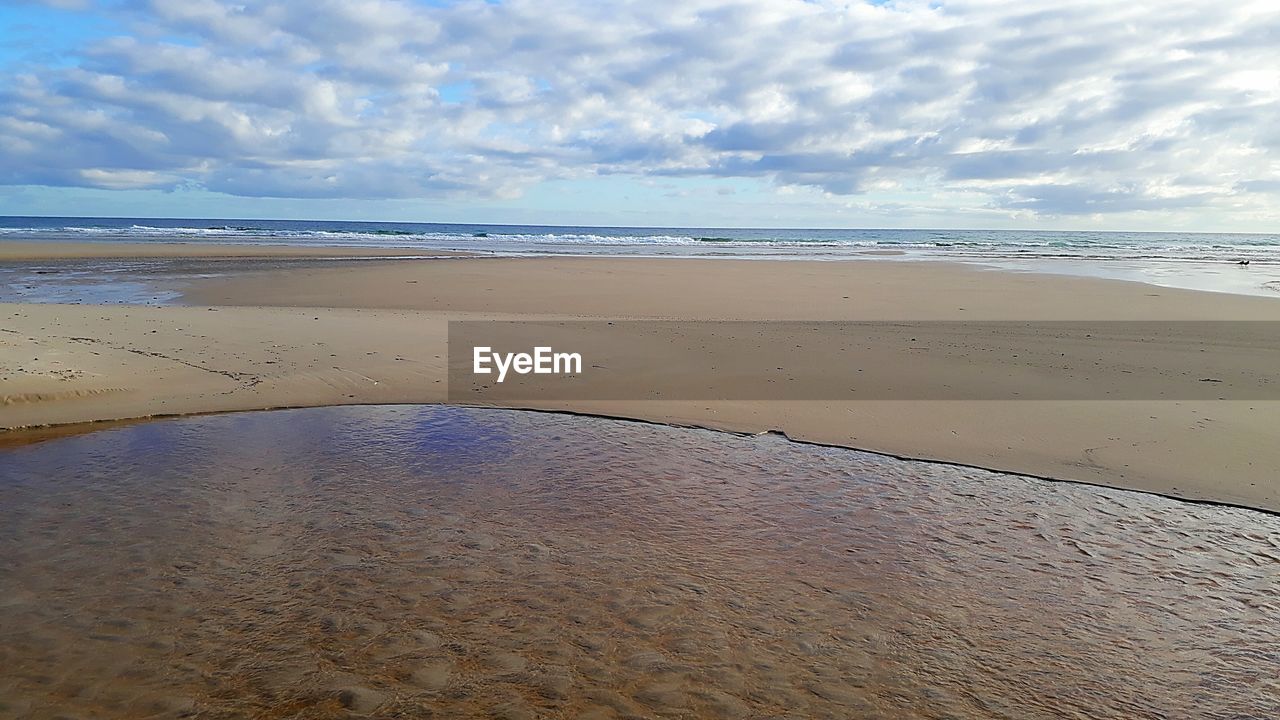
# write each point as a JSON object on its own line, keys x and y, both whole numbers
{"x": 500, "y": 361}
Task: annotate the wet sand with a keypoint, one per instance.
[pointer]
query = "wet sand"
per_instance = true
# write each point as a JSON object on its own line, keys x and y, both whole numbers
{"x": 376, "y": 332}
{"x": 446, "y": 562}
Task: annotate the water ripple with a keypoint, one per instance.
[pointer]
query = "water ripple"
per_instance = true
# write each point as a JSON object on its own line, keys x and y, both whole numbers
{"x": 451, "y": 562}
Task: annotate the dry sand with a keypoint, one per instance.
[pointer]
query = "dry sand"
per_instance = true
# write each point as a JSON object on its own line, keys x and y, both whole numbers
{"x": 376, "y": 333}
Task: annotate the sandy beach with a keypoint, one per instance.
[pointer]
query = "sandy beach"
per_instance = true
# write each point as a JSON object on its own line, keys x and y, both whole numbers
{"x": 376, "y": 332}
{"x": 729, "y": 360}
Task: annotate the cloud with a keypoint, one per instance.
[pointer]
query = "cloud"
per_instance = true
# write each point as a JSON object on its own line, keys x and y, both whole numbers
{"x": 1052, "y": 108}
{"x": 1087, "y": 200}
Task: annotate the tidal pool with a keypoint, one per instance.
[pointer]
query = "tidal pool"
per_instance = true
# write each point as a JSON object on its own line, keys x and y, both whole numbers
{"x": 425, "y": 561}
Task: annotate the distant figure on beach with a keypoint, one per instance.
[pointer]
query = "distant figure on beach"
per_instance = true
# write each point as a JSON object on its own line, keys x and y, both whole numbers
{"x": 1242, "y": 263}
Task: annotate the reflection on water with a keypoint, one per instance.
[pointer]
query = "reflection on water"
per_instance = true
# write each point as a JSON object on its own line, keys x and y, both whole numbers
{"x": 131, "y": 281}
{"x": 1209, "y": 276}
{"x": 96, "y": 282}
{"x": 47, "y": 284}
{"x": 448, "y": 562}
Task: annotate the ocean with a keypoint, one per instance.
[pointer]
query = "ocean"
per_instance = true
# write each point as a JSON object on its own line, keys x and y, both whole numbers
{"x": 1204, "y": 261}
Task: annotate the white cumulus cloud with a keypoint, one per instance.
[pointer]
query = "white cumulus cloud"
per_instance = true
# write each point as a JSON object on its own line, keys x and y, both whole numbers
{"x": 1054, "y": 108}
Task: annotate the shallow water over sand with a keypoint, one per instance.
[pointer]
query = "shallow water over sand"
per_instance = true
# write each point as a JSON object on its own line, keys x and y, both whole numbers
{"x": 449, "y": 562}
{"x": 136, "y": 281}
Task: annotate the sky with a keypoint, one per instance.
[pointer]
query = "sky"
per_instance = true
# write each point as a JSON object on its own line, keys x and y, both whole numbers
{"x": 1061, "y": 114}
